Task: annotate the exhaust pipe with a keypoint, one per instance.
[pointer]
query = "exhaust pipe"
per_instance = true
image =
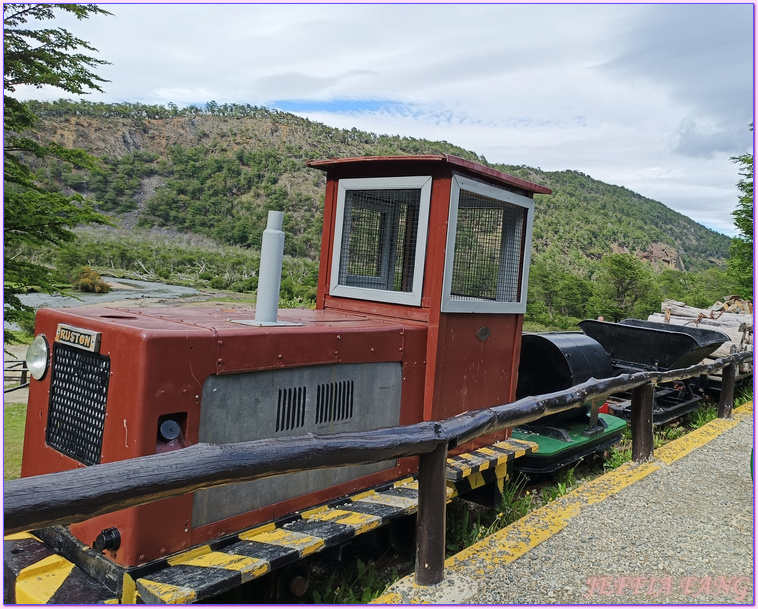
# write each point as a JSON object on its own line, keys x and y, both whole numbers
{"x": 270, "y": 275}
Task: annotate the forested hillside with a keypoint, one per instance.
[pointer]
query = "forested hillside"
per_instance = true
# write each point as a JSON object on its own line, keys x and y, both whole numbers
{"x": 216, "y": 171}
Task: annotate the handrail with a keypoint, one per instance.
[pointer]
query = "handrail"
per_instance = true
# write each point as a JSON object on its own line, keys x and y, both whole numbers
{"x": 76, "y": 495}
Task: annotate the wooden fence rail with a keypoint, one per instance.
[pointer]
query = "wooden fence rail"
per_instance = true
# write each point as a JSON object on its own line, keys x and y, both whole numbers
{"x": 76, "y": 495}
{"x": 15, "y": 371}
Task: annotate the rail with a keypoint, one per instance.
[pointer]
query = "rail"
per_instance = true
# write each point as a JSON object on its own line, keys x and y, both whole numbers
{"x": 15, "y": 371}
{"x": 76, "y": 495}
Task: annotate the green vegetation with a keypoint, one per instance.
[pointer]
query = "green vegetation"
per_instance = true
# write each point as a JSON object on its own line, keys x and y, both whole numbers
{"x": 34, "y": 215}
{"x": 741, "y": 252}
{"x": 468, "y": 523}
{"x": 703, "y": 415}
{"x": 179, "y": 259}
{"x": 89, "y": 280}
{"x": 359, "y": 585}
{"x": 743, "y": 395}
{"x": 14, "y": 420}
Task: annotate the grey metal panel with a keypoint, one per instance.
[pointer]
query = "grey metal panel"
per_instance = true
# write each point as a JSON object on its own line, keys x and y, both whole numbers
{"x": 247, "y": 406}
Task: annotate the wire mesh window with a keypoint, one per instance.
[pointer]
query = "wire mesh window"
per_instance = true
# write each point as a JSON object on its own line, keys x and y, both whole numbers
{"x": 379, "y": 239}
{"x": 487, "y": 261}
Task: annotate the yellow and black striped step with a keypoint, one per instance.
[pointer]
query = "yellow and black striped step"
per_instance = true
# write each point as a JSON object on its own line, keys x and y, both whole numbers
{"x": 488, "y": 457}
{"x": 206, "y": 571}
{"x": 43, "y": 577}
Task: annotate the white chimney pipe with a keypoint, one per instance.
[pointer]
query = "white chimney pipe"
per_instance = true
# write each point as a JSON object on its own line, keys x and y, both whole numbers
{"x": 270, "y": 275}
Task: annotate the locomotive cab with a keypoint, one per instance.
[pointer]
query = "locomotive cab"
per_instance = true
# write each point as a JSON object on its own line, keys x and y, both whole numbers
{"x": 421, "y": 295}
{"x": 442, "y": 242}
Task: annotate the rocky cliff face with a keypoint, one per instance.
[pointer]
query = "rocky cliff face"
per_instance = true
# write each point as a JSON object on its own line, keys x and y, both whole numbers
{"x": 657, "y": 254}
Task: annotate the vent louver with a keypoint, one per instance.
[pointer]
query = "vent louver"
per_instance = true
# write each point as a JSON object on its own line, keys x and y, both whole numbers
{"x": 334, "y": 401}
{"x": 290, "y": 410}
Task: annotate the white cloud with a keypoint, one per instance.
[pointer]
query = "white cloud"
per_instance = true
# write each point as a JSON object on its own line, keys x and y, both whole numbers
{"x": 609, "y": 90}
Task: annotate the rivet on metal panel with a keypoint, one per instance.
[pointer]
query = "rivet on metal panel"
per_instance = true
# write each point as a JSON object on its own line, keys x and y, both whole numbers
{"x": 219, "y": 360}
{"x": 339, "y": 337}
{"x": 372, "y": 350}
{"x": 279, "y": 356}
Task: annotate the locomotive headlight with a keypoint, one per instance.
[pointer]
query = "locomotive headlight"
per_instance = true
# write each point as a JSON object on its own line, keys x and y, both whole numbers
{"x": 37, "y": 357}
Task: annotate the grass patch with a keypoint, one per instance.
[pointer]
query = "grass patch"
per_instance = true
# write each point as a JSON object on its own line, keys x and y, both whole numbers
{"x": 705, "y": 414}
{"x": 21, "y": 337}
{"x": 743, "y": 395}
{"x": 13, "y": 432}
{"x": 356, "y": 586}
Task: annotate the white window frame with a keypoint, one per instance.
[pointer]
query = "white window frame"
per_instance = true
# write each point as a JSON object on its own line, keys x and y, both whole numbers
{"x": 424, "y": 183}
{"x": 451, "y": 305}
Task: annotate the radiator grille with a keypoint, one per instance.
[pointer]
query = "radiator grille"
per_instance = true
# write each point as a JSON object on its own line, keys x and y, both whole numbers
{"x": 334, "y": 402}
{"x": 290, "y": 411}
{"x": 78, "y": 395}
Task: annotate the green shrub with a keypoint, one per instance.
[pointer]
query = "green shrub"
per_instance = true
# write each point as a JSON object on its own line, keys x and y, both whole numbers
{"x": 244, "y": 285}
{"x": 89, "y": 280}
{"x": 219, "y": 283}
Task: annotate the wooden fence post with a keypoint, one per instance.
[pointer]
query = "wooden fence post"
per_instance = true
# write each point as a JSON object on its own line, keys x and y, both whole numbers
{"x": 642, "y": 422}
{"x": 726, "y": 399}
{"x": 430, "y": 526}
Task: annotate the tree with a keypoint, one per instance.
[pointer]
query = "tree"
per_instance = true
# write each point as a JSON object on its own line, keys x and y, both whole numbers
{"x": 33, "y": 214}
{"x": 625, "y": 287}
{"x": 741, "y": 250}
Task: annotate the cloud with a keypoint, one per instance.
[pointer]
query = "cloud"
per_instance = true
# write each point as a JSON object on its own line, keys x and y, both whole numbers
{"x": 701, "y": 56}
{"x": 699, "y": 139}
{"x": 292, "y": 84}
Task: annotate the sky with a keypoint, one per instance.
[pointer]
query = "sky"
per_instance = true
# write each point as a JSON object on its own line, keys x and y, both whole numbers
{"x": 653, "y": 97}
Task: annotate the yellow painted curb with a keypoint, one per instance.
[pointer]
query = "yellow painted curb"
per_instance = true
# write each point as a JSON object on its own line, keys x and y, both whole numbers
{"x": 515, "y": 540}
{"x": 518, "y": 538}
{"x": 675, "y": 450}
{"x": 745, "y": 408}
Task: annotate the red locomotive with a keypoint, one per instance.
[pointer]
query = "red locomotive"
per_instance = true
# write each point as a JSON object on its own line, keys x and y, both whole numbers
{"x": 421, "y": 295}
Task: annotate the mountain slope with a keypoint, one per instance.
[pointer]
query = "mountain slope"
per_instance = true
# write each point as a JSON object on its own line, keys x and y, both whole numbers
{"x": 219, "y": 170}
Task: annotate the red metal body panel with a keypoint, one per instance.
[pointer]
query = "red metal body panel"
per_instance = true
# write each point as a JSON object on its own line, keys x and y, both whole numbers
{"x": 159, "y": 361}
{"x": 399, "y": 164}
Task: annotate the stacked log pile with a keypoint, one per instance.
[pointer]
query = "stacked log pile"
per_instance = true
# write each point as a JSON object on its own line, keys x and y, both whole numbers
{"x": 733, "y": 317}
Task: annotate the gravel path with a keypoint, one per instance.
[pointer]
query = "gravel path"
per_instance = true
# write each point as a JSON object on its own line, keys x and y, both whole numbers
{"x": 683, "y": 534}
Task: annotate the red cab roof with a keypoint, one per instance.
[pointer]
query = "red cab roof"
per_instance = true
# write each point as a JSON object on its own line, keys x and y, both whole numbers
{"x": 449, "y": 159}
